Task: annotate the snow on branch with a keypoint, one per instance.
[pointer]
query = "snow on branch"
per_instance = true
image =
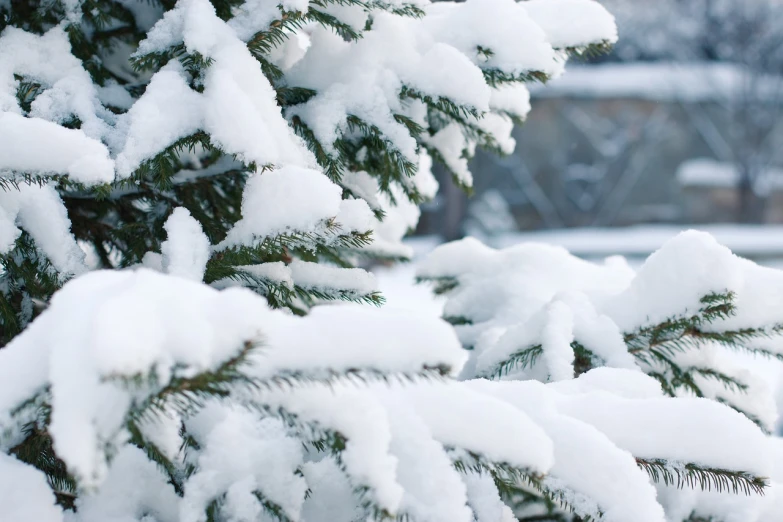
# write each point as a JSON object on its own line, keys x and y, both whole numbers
{"x": 535, "y": 313}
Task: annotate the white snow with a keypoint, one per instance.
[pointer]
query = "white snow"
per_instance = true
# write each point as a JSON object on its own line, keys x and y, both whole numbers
{"x": 453, "y": 148}
{"x": 572, "y": 23}
{"x": 40, "y": 211}
{"x": 25, "y": 492}
{"x": 105, "y": 326}
{"x": 151, "y": 129}
{"x": 536, "y": 294}
{"x": 68, "y": 88}
{"x": 318, "y": 276}
{"x": 286, "y": 200}
{"x": 517, "y": 43}
{"x": 134, "y": 487}
{"x": 186, "y": 251}
{"x": 395, "y": 386}
{"x": 68, "y": 151}
{"x": 344, "y": 337}
{"x": 513, "y": 99}
{"x": 267, "y": 463}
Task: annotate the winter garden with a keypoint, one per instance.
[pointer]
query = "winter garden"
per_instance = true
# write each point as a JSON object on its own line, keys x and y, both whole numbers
{"x": 190, "y": 194}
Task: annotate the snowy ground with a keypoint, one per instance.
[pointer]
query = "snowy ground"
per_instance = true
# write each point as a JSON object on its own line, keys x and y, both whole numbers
{"x": 764, "y": 244}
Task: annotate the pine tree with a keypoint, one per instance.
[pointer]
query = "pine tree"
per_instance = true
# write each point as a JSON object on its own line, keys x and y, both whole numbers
{"x": 533, "y": 313}
{"x": 190, "y": 148}
{"x": 131, "y": 111}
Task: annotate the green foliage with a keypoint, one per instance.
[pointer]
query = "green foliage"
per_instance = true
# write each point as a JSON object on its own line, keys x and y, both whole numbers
{"x": 27, "y": 280}
{"x": 122, "y": 222}
{"x": 656, "y": 347}
{"x": 521, "y": 489}
{"x": 37, "y": 450}
{"x": 441, "y": 285}
{"x": 187, "y": 395}
{"x": 708, "y": 479}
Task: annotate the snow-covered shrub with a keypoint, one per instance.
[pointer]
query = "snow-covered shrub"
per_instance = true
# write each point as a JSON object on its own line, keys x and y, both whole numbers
{"x": 617, "y": 342}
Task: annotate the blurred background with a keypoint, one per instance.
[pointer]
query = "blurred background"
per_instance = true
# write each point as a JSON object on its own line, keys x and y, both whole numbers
{"x": 680, "y": 126}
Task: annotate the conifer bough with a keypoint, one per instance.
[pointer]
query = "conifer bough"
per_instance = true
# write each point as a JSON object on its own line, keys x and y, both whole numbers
{"x": 648, "y": 357}
{"x": 181, "y": 183}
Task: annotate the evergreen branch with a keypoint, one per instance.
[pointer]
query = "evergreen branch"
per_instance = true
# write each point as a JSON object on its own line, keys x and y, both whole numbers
{"x": 440, "y": 117}
{"x": 161, "y": 168}
{"x": 37, "y": 449}
{"x": 278, "y": 294}
{"x": 441, "y": 104}
{"x": 520, "y": 359}
{"x": 325, "y": 243}
{"x": 414, "y": 128}
{"x": 402, "y": 9}
{"x": 331, "y": 442}
{"x": 343, "y": 29}
{"x": 715, "y": 306}
{"x": 333, "y": 167}
{"x": 512, "y": 481}
{"x": 288, "y": 96}
{"x": 274, "y": 511}
{"x": 26, "y": 92}
{"x": 693, "y": 475}
{"x": 155, "y": 454}
{"x": 186, "y": 394}
{"x": 591, "y": 50}
{"x": 13, "y": 180}
{"x": 264, "y": 42}
{"x": 442, "y": 285}
{"x": 283, "y": 380}
{"x": 311, "y": 295}
{"x": 455, "y": 177}
{"x": 27, "y": 277}
{"x": 374, "y": 138}
{"x": 496, "y": 77}
{"x": 584, "y": 359}
{"x": 457, "y": 320}
{"x": 727, "y": 381}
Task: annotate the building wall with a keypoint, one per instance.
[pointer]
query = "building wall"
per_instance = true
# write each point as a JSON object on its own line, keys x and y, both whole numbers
{"x": 593, "y": 160}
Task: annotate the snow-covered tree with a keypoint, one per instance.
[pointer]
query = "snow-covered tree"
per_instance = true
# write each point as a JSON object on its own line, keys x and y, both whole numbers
{"x": 183, "y": 181}
{"x": 284, "y": 131}
{"x": 617, "y": 342}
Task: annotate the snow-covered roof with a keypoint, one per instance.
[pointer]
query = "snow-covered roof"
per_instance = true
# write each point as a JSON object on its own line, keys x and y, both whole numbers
{"x": 705, "y": 172}
{"x": 745, "y": 240}
{"x": 692, "y": 82}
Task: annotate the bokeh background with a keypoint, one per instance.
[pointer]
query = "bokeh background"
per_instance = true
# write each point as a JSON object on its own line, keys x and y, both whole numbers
{"x": 680, "y": 125}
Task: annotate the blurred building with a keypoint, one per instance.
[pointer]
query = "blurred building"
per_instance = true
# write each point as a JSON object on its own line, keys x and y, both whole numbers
{"x": 680, "y": 124}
